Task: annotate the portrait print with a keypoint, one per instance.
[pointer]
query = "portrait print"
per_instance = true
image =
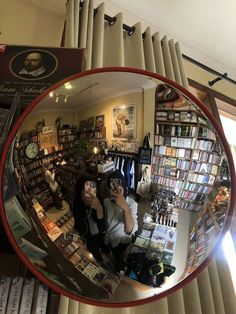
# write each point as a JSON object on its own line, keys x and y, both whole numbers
{"x": 100, "y": 121}
{"x": 124, "y": 121}
{"x": 33, "y": 64}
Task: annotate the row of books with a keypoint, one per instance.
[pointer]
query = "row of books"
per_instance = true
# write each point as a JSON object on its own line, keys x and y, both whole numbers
{"x": 176, "y": 130}
{"x": 195, "y": 187}
{"x": 200, "y": 178}
{"x": 185, "y": 204}
{"x": 23, "y": 295}
{"x": 193, "y": 196}
{"x": 207, "y": 157}
{"x": 176, "y": 152}
{"x": 34, "y": 173}
{"x": 33, "y": 165}
{"x": 170, "y": 161}
{"x": 203, "y": 144}
{"x": 67, "y": 138}
{"x": 182, "y": 116}
{"x": 174, "y": 183}
{"x": 204, "y": 167}
{"x": 170, "y": 172}
{"x": 38, "y": 188}
{"x": 67, "y": 131}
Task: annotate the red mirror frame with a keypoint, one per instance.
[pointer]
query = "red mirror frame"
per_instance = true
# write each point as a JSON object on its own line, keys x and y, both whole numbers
{"x": 182, "y": 283}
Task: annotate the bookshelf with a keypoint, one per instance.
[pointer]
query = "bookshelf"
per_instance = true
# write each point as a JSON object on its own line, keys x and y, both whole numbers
{"x": 31, "y": 168}
{"x": 186, "y": 157}
{"x": 206, "y": 230}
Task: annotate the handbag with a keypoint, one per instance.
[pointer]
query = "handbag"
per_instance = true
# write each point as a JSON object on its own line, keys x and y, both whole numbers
{"x": 143, "y": 186}
{"x": 145, "y": 152}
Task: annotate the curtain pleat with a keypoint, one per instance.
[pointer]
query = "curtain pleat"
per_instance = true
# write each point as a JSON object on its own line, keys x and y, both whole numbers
{"x": 181, "y": 66}
{"x": 113, "y": 54}
{"x": 88, "y": 62}
{"x": 167, "y": 59}
{"x": 83, "y": 25}
{"x": 76, "y": 22}
{"x": 160, "y": 307}
{"x": 226, "y": 283}
{"x": 98, "y": 37}
{"x": 192, "y": 302}
{"x": 176, "y": 302}
{"x": 70, "y": 24}
{"x": 216, "y": 288}
{"x": 175, "y": 62}
{"x": 159, "y": 62}
{"x": 149, "y": 51}
{"x": 205, "y": 293}
{"x": 73, "y": 307}
{"x": 63, "y": 305}
{"x": 133, "y": 48}
{"x": 110, "y": 45}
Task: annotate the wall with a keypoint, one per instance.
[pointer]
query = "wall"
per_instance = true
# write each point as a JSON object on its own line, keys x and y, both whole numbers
{"x": 49, "y": 117}
{"x": 202, "y": 76}
{"x": 32, "y": 22}
{"x": 105, "y": 107}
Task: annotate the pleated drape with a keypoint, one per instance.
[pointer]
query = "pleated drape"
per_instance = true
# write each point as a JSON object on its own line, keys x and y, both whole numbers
{"x": 109, "y": 44}
{"x": 211, "y": 292}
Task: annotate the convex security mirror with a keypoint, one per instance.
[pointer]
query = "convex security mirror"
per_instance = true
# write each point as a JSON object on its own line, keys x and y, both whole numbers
{"x": 90, "y": 213}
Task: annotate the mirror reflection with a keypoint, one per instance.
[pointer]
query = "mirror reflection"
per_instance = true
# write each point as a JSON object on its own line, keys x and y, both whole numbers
{"x": 116, "y": 186}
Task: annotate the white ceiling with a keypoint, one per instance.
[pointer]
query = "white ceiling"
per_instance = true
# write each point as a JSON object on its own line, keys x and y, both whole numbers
{"x": 206, "y": 29}
{"x": 94, "y": 88}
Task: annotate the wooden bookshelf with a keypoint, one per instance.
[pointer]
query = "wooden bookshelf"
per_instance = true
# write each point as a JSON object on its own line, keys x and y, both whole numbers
{"x": 186, "y": 157}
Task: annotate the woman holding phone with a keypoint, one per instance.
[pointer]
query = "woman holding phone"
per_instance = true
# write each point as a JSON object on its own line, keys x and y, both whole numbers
{"x": 121, "y": 213}
{"x": 89, "y": 217}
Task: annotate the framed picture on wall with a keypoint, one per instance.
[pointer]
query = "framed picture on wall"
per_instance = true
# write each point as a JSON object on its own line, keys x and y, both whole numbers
{"x": 47, "y": 129}
{"x": 124, "y": 121}
{"x": 100, "y": 121}
{"x": 82, "y": 125}
{"x": 90, "y": 123}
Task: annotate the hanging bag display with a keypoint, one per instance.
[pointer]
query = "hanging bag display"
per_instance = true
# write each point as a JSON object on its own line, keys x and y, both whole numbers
{"x": 144, "y": 184}
{"x": 145, "y": 152}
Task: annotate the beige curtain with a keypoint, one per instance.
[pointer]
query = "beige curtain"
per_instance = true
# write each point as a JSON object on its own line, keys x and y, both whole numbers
{"x": 212, "y": 292}
{"x": 108, "y": 44}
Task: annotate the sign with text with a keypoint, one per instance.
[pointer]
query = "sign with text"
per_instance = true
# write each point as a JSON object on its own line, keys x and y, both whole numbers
{"x": 31, "y": 70}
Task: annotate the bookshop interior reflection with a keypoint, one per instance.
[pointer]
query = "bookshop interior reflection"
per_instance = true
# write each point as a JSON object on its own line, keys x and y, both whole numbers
{"x": 172, "y": 167}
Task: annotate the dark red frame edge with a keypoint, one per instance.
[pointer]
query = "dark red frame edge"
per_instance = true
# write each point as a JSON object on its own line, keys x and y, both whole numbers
{"x": 184, "y": 281}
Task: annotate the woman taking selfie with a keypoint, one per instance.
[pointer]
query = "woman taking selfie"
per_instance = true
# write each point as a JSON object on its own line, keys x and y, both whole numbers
{"x": 89, "y": 217}
{"x": 121, "y": 213}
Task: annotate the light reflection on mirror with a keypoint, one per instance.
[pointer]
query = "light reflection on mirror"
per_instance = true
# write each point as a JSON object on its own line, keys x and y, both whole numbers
{"x": 118, "y": 188}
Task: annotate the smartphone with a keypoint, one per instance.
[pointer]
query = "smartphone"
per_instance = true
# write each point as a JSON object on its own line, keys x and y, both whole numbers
{"x": 90, "y": 187}
{"x": 112, "y": 185}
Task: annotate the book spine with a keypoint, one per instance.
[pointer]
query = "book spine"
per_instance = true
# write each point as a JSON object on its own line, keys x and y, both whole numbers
{"x": 27, "y": 296}
{"x": 14, "y": 296}
{"x": 5, "y": 283}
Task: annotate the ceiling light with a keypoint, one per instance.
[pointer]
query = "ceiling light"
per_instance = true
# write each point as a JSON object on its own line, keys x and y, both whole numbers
{"x": 68, "y": 85}
{"x": 66, "y": 98}
{"x": 51, "y": 94}
{"x": 57, "y": 98}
